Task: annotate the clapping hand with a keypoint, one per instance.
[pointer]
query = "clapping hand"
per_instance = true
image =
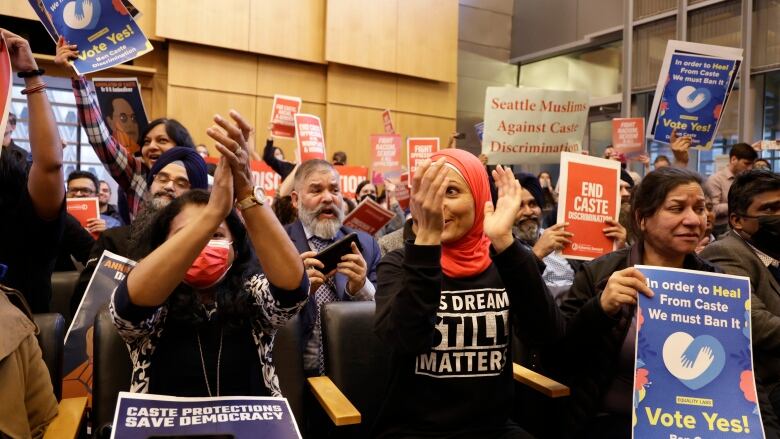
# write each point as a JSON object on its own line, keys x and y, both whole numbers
{"x": 427, "y": 194}
{"x": 499, "y": 220}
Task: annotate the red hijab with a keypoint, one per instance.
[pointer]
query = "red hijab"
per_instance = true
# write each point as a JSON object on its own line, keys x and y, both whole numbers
{"x": 469, "y": 255}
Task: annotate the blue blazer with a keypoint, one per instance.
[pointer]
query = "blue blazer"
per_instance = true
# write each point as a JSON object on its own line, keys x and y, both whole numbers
{"x": 370, "y": 253}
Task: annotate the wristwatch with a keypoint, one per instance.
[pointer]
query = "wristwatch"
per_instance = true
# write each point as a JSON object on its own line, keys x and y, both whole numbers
{"x": 256, "y": 199}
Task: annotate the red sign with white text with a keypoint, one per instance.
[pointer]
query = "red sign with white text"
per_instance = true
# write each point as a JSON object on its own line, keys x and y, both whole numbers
{"x": 84, "y": 209}
{"x": 350, "y": 177}
{"x": 419, "y": 149}
{"x": 387, "y": 120}
{"x": 283, "y": 114}
{"x": 628, "y": 134}
{"x": 402, "y": 192}
{"x": 387, "y": 157}
{"x": 368, "y": 216}
{"x": 311, "y": 140}
{"x": 6, "y": 80}
{"x": 589, "y": 196}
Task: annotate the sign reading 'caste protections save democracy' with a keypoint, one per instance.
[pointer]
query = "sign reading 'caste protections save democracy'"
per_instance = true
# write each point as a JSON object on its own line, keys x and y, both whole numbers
{"x": 104, "y": 31}
{"x": 311, "y": 140}
{"x": 694, "y": 365}
{"x": 141, "y": 416}
{"x": 532, "y": 125}
{"x": 692, "y": 91}
{"x": 283, "y": 113}
{"x": 589, "y": 196}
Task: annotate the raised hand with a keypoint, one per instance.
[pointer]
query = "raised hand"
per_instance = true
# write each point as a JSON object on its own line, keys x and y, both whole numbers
{"x": 617, "y": 232}
{"x": 680, "y": 147}
{"x": 554, "y": 238}
{"x": 427, "y": 194}
{"x": 232, "y": 144}
{"x": 622, "y": 288}
{"x": 499, "y": 220}
{"x": 96, "y": 225}
{"x": 22, "y": 59}
{"x": 65, "y": 54}
{"x": 221, "y": 199}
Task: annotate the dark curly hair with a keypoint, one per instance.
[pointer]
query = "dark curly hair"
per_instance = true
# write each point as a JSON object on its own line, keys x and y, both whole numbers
{"x": 233, "y": 300}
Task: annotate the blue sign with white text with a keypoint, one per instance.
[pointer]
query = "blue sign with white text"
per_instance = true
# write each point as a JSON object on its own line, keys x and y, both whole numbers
{"x": 694, "y": 365}
{"x": 104, "y": 31}
{"x": 696, "y": 90}
{"x": 140, "y": 416}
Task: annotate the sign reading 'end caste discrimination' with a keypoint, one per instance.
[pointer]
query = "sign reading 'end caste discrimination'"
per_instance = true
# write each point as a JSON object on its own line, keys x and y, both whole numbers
{"x": 531, "y": 125}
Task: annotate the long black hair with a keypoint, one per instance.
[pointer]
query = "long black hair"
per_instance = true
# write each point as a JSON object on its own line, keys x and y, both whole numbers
{"x": 233, "y": 301}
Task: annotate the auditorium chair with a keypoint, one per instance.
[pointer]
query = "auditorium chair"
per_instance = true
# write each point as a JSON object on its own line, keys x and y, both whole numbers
{"x": 358, "y": 369}
{"x": 63, "y": 283}
{"x": 51, "y": 339}
{"x": 112, "y": 369}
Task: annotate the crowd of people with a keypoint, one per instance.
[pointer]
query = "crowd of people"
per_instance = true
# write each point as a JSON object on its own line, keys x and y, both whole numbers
{"x": 219, "y": 270}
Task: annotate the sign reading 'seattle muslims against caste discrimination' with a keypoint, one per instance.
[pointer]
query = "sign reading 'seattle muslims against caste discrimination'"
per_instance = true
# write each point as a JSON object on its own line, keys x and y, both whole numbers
{"x": 532, "y": 125}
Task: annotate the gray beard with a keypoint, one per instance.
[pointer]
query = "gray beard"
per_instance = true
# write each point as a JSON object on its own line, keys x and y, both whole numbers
{"x": 325, "y": 228}
{"x": 527, "y": 231}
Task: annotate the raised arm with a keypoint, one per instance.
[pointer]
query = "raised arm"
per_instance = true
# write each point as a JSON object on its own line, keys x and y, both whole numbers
{"x": 45, "y": 179}
{"x": 119, "y": 163}
{"x": 280, "y": 260}
{"x": 157, "y": 275}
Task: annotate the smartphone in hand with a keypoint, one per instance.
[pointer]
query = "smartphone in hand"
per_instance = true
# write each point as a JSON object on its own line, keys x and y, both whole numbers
{"x": 331, "y": 255}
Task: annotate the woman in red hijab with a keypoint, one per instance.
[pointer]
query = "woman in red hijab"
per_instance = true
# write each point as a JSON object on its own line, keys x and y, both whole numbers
{"x": 447, "y": 303}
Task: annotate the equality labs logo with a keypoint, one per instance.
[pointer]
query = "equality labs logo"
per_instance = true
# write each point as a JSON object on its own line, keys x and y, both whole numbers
{"x": 696, "y": 362}
{"x": 81, "y": 14}
{"x": 693, "y": 99}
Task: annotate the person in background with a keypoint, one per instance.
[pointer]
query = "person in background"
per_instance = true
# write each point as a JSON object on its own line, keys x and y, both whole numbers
{"x": 273, "y": 156}
{"x": 708, "y": 236}
{"x": 752, "y": 248}
{"x": 339, "y": 158}
{"x": 596, "y": 358}
{"x": 129, "y": 172}
{"x": 661, "y": 161}
{"x": 762, "y": 164}
{"x": 84, "y": 184}
{"x": 741, "y": 158}
{"x": 366, "y": 189}
{"x": 32, "y": 204}
{"x": 203, "y": 150}
{"x": 550, "y": 199}
{"x": 9, "y": 147}
{"x": 107, "y": 209}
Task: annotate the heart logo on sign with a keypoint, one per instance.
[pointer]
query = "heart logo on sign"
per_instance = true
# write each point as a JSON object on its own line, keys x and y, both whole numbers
{"x": 694, "y": 361}
{"x": 81, "y": 14}
{"x": 693, "y": 99}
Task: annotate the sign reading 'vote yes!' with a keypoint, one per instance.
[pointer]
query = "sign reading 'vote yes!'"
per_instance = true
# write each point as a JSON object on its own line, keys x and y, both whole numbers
{"x": 694, "y": 367}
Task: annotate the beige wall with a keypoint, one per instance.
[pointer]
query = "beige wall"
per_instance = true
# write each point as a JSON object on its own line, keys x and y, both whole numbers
{"x": 347, "y": 59}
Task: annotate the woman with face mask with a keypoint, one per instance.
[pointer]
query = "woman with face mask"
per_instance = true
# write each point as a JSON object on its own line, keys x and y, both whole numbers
{"x": 366, "y": 189}
{"x": 449, "y": 302}
{"x": 196, "y": 313}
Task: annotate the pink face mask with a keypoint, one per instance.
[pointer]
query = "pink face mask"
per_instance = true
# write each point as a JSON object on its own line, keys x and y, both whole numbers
{"x": 210, "y": 266}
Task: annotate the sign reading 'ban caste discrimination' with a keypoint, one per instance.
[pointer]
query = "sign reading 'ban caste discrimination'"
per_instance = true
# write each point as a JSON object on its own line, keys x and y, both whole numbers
{"x": 531, "y": 125}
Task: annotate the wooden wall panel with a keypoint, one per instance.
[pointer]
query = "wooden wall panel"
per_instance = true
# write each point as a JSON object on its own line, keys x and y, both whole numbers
{"x": 281, "y": 76}
{"x": 362, "y": 33}
{"x": 196, "y": 108}
{"x": 415, "y": 125}
{"x": 288, "y": 28}
{"x": 18, "y": 8}
{"x": 287, "y": 145}
{"x": 427, "y": 97}
{"x": 223, "y": 23}
{"x": 360, "y": 87}
{"x": 349, "y": 130}
{"x": 428, "y": 39}
{"x": 148, "y": 19}
{"x": 209, "y": 68}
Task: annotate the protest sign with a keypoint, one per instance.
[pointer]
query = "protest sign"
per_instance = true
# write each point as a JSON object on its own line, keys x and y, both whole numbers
{"x": 532, "y": 125}
{"x": 350, "y": 177}
{"x": 123, "y": 109}
{"x": 402, "y": 193}
{"x": 419, "y": 149}
{"x": 628, "y": 135}
{"x": 104, "y": 31}
{"x": 369, "y": 217}
{"x": 693, "y": 87}
{"x": 111, "y": 269}
{"x": 694, "y": 365}
{"x": 589, "y": 196}
{"x": 311, "y": 140}
{"x": 262, "y": 175}
{"x": 766, "y": 145}
{"x": 84, "y": 209}
{"x": 387, "y": 121}
{"x": 141, "y": 416}
{"x": 6, "y": 84}
{"x": 387, "y": 157}
{"x": 283, "y": 113}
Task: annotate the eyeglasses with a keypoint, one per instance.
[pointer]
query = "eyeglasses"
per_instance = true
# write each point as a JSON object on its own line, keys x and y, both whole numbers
{"x": 164, "y": 179}
{"x": 80, "y": 191}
